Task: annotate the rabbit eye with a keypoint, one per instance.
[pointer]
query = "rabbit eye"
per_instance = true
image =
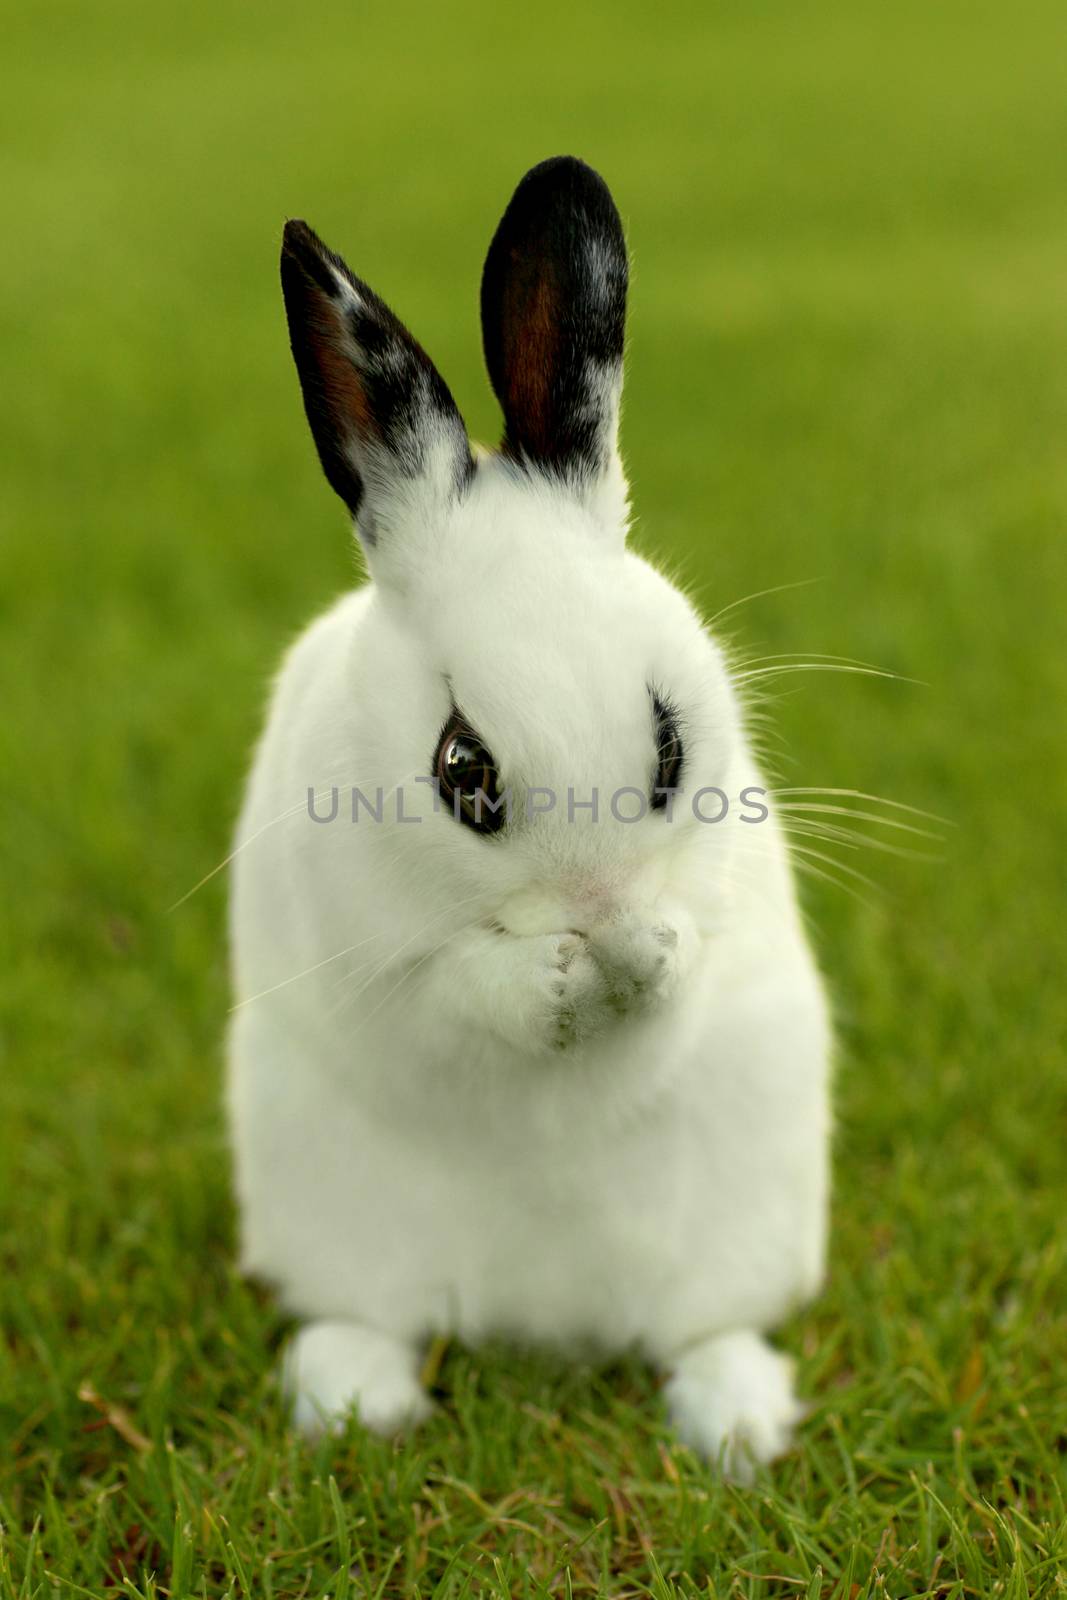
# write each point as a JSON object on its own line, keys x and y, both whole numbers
{"x": 669, "y": 752}
{"x": 467, "y": 778}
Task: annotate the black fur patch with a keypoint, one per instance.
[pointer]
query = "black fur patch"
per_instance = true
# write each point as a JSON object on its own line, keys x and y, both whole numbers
{"x": 553, "y": 308}
{"x": 369, "y": 388}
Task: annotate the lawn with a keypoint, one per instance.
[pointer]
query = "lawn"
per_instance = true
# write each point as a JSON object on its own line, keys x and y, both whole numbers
{"x": 847, "y": 374}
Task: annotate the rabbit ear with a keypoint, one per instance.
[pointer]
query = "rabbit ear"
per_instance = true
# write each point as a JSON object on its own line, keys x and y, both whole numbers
{"x": 387, "y": 430}
{"x": 553, "y": 322}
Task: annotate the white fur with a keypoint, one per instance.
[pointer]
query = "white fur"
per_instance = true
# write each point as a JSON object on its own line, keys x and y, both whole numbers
{"x": 567, "y": 1083}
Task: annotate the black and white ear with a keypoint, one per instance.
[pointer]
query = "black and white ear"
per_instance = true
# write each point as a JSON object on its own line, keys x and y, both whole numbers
{"x": 553, "y": 324}
{"x": 390, "y": 438}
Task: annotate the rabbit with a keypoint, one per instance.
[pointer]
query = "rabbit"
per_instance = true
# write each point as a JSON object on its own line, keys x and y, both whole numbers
{"x": 553, "y": 1070}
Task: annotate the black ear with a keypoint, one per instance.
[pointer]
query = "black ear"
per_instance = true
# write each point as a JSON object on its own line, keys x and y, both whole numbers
{"x": 382, "y": 418}
{"x": 553, "y": 320}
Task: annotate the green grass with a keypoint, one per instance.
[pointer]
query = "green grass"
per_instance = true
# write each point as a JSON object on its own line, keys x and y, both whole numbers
{"x": 848, "y": 363}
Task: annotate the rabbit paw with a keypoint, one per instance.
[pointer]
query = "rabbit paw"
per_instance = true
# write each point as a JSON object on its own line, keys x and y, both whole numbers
{"x": 332, "y": 1368}
{"x": 731, "y": 1399}
{"x": 551, "y": 993}
{"x": 641, "y": 963}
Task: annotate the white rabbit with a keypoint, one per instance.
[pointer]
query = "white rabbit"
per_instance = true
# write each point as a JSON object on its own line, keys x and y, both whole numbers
{"x": 529, "y": 1070}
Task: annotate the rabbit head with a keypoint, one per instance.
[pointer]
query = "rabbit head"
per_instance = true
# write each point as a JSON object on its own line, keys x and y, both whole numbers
{"x": 513, "y": 646}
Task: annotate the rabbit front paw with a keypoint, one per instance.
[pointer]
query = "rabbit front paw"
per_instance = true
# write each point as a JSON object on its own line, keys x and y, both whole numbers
{"x": 551, "y": 993}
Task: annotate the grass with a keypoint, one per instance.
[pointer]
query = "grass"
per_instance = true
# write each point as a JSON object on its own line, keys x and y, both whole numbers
{"x": 848, "y": 364}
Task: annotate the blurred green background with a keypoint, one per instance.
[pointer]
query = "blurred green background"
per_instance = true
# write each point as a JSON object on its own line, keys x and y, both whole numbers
{"x": 847, "y": 363}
